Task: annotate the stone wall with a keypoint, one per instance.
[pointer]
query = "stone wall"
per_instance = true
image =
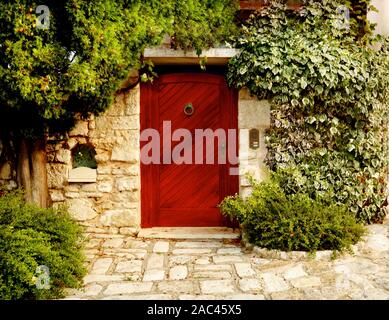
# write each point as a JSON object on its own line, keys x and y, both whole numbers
{"x": 112, "y": 203}
{"x": 253, "y": 114}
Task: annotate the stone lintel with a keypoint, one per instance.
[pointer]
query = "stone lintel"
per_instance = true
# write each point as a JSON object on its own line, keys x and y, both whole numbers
{"x": 163, "y": 56}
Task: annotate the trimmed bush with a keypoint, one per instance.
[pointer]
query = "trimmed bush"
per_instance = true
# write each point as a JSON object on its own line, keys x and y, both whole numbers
{"x": 39, "y": 250}
{"x": 274, "y": 220}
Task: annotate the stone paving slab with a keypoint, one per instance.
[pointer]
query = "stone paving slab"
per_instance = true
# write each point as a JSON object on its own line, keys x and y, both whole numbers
{"x": 125, "y": 267}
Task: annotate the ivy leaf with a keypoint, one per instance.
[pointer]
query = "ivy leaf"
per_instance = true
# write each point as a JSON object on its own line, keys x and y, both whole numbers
{"x": 334, "y": 131}
{"x": 305, "y": 101}
{"x": 294, "y": 102}
{"x": 322, "y": 118}
{"x": 319, "y": 89}
{"x": 350, "y": 147}
{"x": 303, "y": 83}
{"x": 243, "y": 70}
{"x": 311, "y": 120}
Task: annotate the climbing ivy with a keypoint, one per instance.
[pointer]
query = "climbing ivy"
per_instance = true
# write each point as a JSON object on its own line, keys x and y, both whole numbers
{"x": 328, "y": 86}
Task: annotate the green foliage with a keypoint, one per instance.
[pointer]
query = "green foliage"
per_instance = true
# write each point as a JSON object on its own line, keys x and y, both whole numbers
{"x": 31, "y": 237}
{"x": 329, "y": 93}
{"x": 84, "y": 156}
{"x": 79, "y": 61}
{"x": 202, "y": 24}
{"x": 274, "y": 220}
{"x": 76, "y": 65}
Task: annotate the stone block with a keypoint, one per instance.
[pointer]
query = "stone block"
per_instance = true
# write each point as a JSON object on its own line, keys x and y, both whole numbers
{"x": 217, "y": 286}
{"x": 105, "y": 187}
{"x": 125, "y": 104}
{"x": 132, "y": 170}
{"x": 128, "y": 288}
{"x": 63, "y": 156}
{"x": 127, "y": 184}
{"x": 161, "y": 247}
{"x": 101, "y": 278}
{"x": 57, "y": 196}
{"x": 81, "y": 209}
{"x": 120, "y": 218}
{"x": 89, "y": 187}
{"x": 274, "y": 283}
{"x": 57, "y": 175}
{"x": 80, "y": 129}
{"x": 198, "y": 244}
{"x": 250, "y": 284}
{"x": 229, "y": 251}
{"x": 213, "y": 267}
{"x": 192, "y": 251}
{"x": 125, "y": 197}
{"x": 102, "y": 156}
{"x": 306, "y": 282}
{"x": 211, "y": 275}
{"x": 226, "y": 259}
{"x": 178, "y": 273}
{"x": 244, "y": 270}
{"x": 101, "y": 266}
{"x": 154, "y": 275}
{"x": 107, "y": 123}
{"x": 155, "y": 261}
{"x": 113, "y": 243}
{"x": 129, "y": 266}
{"x": 72, "y": 195}
{"x": 177, "y": 286}
{"x": 129, "y": 231}
{"x": 125, "y": 155}
{"x": 294, "y": 272}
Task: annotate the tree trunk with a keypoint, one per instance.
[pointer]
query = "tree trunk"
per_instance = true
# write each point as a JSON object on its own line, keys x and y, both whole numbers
{"x": 32, "y": 172}
{"x": 40, "y": 193}
{"x": 23, "y": 169}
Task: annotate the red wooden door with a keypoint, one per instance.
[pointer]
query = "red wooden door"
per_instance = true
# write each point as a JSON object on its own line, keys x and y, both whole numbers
{"x": 186, "y": 192}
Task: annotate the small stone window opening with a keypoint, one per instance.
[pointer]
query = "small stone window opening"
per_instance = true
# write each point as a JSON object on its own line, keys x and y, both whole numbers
{"x": 84, "y": 155}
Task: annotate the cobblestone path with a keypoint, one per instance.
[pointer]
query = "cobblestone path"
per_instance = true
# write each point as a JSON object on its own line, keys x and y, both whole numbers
{"x": 123, "y": 267}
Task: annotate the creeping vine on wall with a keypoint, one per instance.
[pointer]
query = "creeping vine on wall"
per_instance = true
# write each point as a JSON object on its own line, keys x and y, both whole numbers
{"x": 329, "y": 94}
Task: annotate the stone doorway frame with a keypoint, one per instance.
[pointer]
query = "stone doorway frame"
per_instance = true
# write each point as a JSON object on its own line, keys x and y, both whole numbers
{"x": 112, "y": 203}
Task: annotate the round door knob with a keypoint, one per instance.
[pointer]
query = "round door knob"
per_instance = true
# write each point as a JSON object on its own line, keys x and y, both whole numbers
{"x": 188, "y": 109}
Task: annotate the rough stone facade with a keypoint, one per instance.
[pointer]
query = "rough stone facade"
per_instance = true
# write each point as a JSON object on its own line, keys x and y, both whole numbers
{"x": 112, "y": 203}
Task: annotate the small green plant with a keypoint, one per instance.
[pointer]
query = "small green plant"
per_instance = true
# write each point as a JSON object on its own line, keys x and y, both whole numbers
{"x": 40, "y": 250}
{"x": 275, "y": 220}
{"x": 84, "y": 156}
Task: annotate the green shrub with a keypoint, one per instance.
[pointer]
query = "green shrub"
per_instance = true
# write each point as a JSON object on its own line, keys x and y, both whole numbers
{"x": 329, "y": 93}
{"x": 274, "y": 220}
{"x": 32, "y": 239}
